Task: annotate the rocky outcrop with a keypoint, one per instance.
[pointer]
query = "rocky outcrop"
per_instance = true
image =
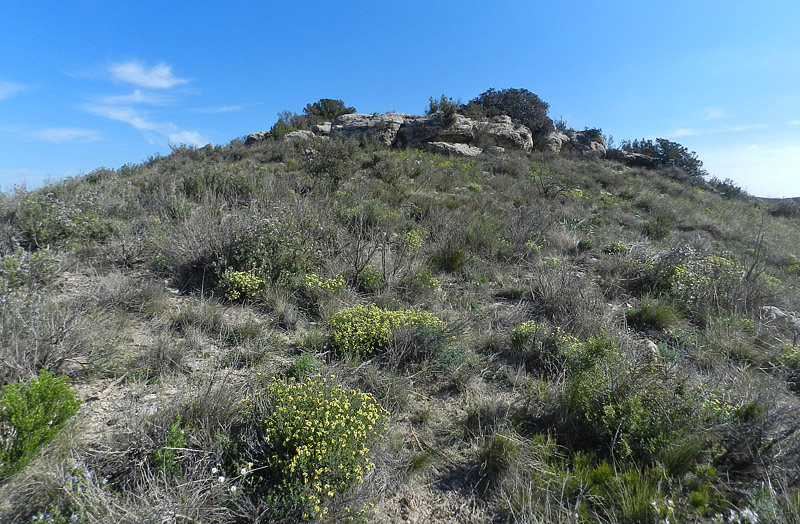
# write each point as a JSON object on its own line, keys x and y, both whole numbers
{"x": 447, "y": 148}
{"x": 631, "y": 159}
{"x": 436, "y": 133}
{"x": 382, "y": 128}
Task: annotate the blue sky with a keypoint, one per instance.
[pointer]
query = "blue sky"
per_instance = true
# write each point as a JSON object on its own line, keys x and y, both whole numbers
{"x": 89, "y": 84}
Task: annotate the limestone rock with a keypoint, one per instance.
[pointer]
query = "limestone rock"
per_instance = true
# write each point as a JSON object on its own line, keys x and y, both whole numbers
{"x": 383, "y": 127}
{"x": 255, "y": 138}
{"x": 586, "y": 143}
{"x": 446, "y": 148}
{"x": 419, "y": 130}
{"x": 323, "y": 129}
{"x": 630, "y": 159}
{"x": 297, "y": 135}
{"x": 501, "y": 131}
{"x": 554, "y": 141}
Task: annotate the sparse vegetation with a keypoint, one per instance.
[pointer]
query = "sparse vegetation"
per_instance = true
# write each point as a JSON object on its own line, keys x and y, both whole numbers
{"x": 537, "y": 338}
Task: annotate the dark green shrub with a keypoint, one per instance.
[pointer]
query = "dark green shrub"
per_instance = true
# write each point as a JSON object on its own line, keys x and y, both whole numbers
{"x": 652, "y": 313}
{"x": 370, "y": 280}
{"x": 48, "y": 219}
{"x": 658, "y": 228}
{"x": 631, "y": 412}
{"x": 30, "y": 416}
{"x": 304, "y": 366}
{"x": 445, "y": 107}
{"x": 450, "y": 258}
{"x": 326, "y": 110}
{"x": 520, "y": 104}
{"x": 667, "y": 154}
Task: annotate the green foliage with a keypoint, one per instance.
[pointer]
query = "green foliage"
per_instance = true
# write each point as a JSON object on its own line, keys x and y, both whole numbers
{"x": 658, "y": 227}
{"x": 49, "y": 219}
{"x": 445, "y": 107}
{"x": 164, "y": 458}
{"x": 450, "y": 258}
{"x": 304, "y": 366}
{"x": 629, "y": 411}
{"x": 654, "y": 313}
{"x": 549, "y": 350}
{"x": 362, "y": 330}
{"x": 326, "y": 110}
{"x": 520, "y": 104}
{"x": 286, "y": 123}
{"x": 370, "y": 280}
{"x": 273, "y": 245}
{"x": 30, "y": 416}
{"x": 667, "y": 154}
{"x": 25, "y": 270}
{"x": 316, "y": 434}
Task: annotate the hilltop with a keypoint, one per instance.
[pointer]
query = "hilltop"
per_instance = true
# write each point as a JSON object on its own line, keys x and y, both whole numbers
{"x": 473, "y": 315}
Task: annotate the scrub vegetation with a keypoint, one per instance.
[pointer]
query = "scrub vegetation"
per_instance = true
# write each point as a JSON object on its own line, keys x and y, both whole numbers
{"x": 335, "y": 331}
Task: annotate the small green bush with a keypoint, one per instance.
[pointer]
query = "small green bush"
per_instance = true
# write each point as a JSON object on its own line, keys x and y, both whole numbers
{"x": 30, "y": 416}
{"x": 316, "y": 433}
{"x": 545, "y": 349}
{"x": 652, "y": 313}
{"x": 362, "y": 330}
{"x": 164, "y": 458}
{"x": 370, "y": 280}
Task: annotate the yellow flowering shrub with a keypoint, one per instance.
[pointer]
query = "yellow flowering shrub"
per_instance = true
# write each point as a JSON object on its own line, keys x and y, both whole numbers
{"x": 314, "y": 281}
{"x": 240, "y": 284}
{"x": 362, "y": 330}
{"x": 317, "y": 434}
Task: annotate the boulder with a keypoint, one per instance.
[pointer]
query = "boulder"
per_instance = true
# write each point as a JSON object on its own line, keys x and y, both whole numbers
{"x": 501, "y": 131}
{"x": 447, "y": 148}
{"x": 588, "y": 143}
{"x": 323, "y": 129}
{"x": 419, "y": 130}
{"x": 494, "y": 150}
{"x": 631, "y": 159}
{"x": 383, "y": 127}
{"x": 297, "y": 135}
{"x": 555, "y": 141}
{"x": 255, "y": 138}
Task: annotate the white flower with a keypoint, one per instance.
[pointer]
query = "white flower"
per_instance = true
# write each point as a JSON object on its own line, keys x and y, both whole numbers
{"x": 214, "y": 471}
{"x": 243, "y": 471}
{"x": 221, "y": 479}
{"x": 233, "y": 489}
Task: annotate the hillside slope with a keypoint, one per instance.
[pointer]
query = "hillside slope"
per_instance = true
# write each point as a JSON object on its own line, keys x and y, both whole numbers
{"x": 332, "y": 330}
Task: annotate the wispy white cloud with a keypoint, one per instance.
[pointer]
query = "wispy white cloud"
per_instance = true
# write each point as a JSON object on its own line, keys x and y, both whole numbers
{"x": 135, "y": 72}
{"x": 9, "y": 89}
{"x": 715, "y": 113}
{"x": 137, "y": 97}
{"x": 688, "y": 131}
{"x": 220, "y": 109}
{"x": 794, "y": 123}
{"x": 67, "y": 135}
{"x": 142, "y": 122}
